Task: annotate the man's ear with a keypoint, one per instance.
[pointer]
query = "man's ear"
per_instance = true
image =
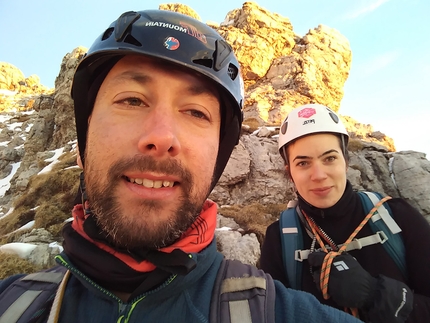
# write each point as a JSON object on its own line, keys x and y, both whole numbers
{"x": 78, "y": 158}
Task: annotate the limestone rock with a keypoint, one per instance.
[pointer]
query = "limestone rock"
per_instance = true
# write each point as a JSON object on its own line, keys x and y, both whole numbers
{"x": 44, "y": 255}
{"x": 11, "y": 77}
{"x": 264, "y": 181}
{"x": 257, "y": 37}
{"x": 18, "y": 93}
{"x": 281, "y": 70}
{"x": 234, "y": 245}
{"x": 224, "y": 222}
{"x": 411, "y": 174}
{"x": 181, "y": 8}
{"x": 64, "y": 116}
{"x": 36, "y": 236}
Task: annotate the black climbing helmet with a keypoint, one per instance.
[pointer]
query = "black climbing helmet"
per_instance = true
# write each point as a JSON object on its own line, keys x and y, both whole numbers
{"x": 173, "y": 37}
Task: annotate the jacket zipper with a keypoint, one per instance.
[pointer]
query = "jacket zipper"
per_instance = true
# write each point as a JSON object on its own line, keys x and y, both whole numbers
{"x": 122, "y": 307}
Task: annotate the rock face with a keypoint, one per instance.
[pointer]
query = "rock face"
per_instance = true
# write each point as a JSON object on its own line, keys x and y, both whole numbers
{"x": 12, "y": 79}
{"x": 62, "y": 109}
{"x": 281, "y": 71}
{"x": 18, "y": 93}
{"x": 177, "y": 7}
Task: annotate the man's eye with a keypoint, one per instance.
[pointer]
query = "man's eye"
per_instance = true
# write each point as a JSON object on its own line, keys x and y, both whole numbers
{"x": 133, "y": 101}
{"x": 197, "y": 114}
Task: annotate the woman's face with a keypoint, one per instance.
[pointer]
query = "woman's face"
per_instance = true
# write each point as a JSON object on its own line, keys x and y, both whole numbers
{"x": 318, "y": 169}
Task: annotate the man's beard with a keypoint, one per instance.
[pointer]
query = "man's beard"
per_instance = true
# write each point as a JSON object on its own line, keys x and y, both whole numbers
{"x": 139, "y": 227}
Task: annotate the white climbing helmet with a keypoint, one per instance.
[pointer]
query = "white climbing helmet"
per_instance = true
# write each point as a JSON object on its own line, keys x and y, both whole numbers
{"x": 309, "y": 119}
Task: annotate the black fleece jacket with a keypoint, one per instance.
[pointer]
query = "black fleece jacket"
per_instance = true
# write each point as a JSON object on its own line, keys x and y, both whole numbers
{"x": 339, "y": 221}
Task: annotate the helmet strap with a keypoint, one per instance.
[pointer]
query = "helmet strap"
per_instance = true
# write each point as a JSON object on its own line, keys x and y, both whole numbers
{"x": 284, "y": 154}
{"x": 83, "y": 193}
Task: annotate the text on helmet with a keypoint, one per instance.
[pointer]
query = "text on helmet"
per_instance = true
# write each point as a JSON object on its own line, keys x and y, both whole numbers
{"x": 185, "y": 28}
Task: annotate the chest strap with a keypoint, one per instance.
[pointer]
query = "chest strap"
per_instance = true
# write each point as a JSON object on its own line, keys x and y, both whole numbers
{"x": 356, "y": 244}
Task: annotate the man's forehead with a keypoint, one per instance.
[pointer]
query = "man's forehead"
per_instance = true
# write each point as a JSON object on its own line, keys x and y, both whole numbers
{"x": 127, "y": 68}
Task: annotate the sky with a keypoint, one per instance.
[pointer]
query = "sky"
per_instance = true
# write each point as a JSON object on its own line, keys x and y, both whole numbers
{"x": 390, "y": 41}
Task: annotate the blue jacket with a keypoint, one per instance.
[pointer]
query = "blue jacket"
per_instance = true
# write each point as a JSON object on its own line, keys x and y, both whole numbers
{"x": 179, "y": 299}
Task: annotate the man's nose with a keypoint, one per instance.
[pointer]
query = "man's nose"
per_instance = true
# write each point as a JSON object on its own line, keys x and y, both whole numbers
{"x": 159, "y": 135}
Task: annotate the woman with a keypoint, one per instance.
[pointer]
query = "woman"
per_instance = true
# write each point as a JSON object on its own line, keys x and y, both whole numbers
{"x": 313, "y": 143}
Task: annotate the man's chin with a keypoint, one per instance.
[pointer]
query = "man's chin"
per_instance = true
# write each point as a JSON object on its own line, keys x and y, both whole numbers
{"x": 153, "y": 230}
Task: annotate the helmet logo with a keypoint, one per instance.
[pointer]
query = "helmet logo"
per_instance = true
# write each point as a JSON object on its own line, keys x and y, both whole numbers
{"x": 171, "y": 43}
{"x": 307, "y": 112}
{"x": 193, "y": 31}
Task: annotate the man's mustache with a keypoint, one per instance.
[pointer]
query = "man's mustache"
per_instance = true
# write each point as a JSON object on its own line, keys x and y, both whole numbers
{"x": 143, "y": 164}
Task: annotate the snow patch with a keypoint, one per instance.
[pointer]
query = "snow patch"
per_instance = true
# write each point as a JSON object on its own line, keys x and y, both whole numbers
{"x": 28, "y": 112}
{"x": 4, "y": 118}
{"x": 55, "y": 244}
{"x": 26, "y": 226}
{"x": 5, "y": 182}
{"x": 8, "y": 212}
{"x": 19, "y": 147}
{"x": 71, "y": 167}
{"x": 21, "y": 249}
{"x": 223, "y": 229}
{"x": 14, "y": 125}
{"x": 53, "y": 160}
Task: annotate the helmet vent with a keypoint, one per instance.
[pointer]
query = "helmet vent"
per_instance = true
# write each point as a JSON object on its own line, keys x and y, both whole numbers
{"x": 334, "y": 117}
{"x": 133, "y": 41}
{"x": 124, "y": 23}
{"x": 284, "y": 127}
{"x": 205, "y": 62}
{"x": 107, "y": 33}
{"x": 232, "y": 71}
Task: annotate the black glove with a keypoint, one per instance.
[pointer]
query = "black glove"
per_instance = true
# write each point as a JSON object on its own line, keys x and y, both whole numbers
{"x": 381, "y": 299}
{"x": 349, "y": 284}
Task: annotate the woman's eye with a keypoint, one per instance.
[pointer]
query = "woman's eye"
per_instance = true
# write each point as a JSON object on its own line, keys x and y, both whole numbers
{"x": 330, "y": 158}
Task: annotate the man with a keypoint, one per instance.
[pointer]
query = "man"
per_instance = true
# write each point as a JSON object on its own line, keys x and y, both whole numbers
{"x": 158, "y": 103}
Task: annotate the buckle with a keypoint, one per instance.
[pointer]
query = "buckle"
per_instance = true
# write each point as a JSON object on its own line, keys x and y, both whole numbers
{"x": 382, "y": 236}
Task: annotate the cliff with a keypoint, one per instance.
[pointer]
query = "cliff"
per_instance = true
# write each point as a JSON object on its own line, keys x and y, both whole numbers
{"x": 281, "y": 71}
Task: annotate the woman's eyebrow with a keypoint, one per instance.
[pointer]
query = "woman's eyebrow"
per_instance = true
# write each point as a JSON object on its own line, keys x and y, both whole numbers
{"x": 328, "y": 152}
{"x": 323, "y": 154}
{"x": 302, "y": 157}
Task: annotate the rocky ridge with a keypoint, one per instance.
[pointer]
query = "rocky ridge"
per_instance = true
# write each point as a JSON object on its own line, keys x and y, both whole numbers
{"x": 281, "y": 71}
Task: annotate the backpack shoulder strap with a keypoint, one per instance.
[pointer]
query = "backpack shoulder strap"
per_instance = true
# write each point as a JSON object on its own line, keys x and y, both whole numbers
{"x": 29, "y": 298}
{"x": 242, "y": 294}
{"x": 291, "y": 240}
{"x": 383, "y": 221}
